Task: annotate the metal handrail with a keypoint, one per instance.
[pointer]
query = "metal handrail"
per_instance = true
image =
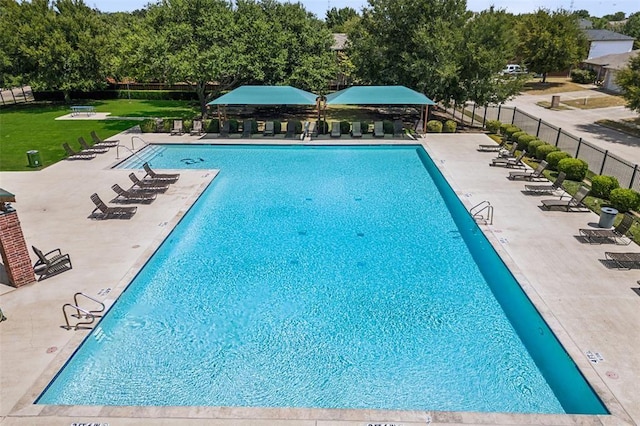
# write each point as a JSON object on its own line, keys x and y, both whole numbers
{"x": 79, "y": 324}
{"x": 127, "y": 148}
{"x": 138, "y": 137}
{"x": 476, "y": 212}
{"x": 92, "y": 312}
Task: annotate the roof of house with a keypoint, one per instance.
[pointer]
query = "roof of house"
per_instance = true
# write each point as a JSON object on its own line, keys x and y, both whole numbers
{"x": 614, "y": 61}
{"x": 605, "y": 35}
{"x": 339, "y": 41}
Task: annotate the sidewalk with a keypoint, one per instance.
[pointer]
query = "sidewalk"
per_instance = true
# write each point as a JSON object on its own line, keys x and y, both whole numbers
{"x": 581, "y": 122}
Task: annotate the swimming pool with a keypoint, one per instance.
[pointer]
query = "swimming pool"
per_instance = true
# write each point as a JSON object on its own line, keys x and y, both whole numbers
{"x": 334, "y": 277}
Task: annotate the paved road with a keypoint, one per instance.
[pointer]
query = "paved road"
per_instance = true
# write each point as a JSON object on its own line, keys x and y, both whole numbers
{"x": 581, "y": 122}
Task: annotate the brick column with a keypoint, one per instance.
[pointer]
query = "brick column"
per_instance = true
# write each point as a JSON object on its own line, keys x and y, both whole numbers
{"x": 15, "y": 254}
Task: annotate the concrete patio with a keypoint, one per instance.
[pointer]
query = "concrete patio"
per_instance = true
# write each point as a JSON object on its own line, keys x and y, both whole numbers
{"x": 591, "y": 307}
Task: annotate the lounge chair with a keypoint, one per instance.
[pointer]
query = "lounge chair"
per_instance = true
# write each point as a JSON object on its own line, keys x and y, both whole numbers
{"x": 148, "y": 186}
{"x": 509, "y": 162}
{"x": 547, "y": 189}
{"x": 493, "y": 147}
{"x": 177, "y": 127}
{"x": 125, "y": 196}
{"x": 246, "y": 129}
{"x": 536, "y": 174}
{"x": 159, "y": 177}
{"x": 335, "y": 129}
{"x": 398, "y": 130}
{"x": 107, "y": 212}
{"x": 225, "y": 129}
{"x": 88, "y": 148}
{"x": 269, "y": 129}
{"x": 72, "y": 155}
{"x": 617, "y": 235}
{"x": 196, "y": 128}
{"x": 100, "y": 142}
{"x": 378, "y": 129}
{"x": 51, "y": 263}
{"x": 508, "y": 153}
{"x": 291, "y": 129}
{"x": 623, "y": 260}
{"x": 575, "y": 202}
{"x": 356, "y": 130}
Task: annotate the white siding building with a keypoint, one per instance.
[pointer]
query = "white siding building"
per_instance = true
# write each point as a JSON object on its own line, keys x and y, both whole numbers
{"x": 605, "y": 42}
{"x": 608, "y": 66}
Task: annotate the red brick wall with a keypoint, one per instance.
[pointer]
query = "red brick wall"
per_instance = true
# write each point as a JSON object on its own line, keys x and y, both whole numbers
{"x": 15, "y": 254}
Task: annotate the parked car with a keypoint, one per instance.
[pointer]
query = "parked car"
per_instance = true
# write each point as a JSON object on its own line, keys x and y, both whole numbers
{"x": 513, "y": 69}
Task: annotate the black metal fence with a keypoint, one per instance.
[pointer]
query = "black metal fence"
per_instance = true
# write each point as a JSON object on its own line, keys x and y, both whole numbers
{"x": 600, "y": 160}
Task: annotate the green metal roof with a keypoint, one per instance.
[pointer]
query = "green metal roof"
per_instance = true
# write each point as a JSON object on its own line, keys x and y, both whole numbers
{"x": 266, "y": 95}
{"x": 378, "y": 95}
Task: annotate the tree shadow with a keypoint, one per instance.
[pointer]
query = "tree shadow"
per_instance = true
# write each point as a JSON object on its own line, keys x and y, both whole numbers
{"x": 609, "y": 135}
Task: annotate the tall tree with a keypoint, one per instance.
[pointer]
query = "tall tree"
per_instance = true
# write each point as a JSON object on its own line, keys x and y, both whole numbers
{"x": 336, "y": 18}
{"x": 629, "y": 80}
{"x": 632, "y": 28}
{"x": 550, "y": 41}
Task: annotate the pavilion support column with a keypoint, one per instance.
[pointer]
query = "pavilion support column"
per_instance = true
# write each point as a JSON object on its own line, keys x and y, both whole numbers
{"x": 13, "y": 247}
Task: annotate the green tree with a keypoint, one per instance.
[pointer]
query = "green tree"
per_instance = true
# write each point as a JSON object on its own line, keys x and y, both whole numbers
{"x": 550, "y": 41}
{"x": 632, "y": 28}
{"x": 618, "y": 16}
{"x": 415, "y": 43}
{"x": 337, "y": 18}
{"x": 582, "y": 13}
{"x": 629, "y": 80}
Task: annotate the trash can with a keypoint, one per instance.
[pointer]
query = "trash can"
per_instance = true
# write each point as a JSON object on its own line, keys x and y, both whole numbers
{"x": 607, "y": 216}
{"x": 34, "y": 158}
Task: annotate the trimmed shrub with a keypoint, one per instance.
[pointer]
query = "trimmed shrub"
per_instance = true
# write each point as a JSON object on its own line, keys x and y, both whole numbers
{"x": 601, "y": 186}
{"x": 233, "y": 125}
{"x": 449, "y": 126}
{"x": 553, "y": 158}
{"x": 212, "y": 126}
{"x": 345, "y": 127}
{"x": 523, "y": 141}
{"x": 583, "y": 76}
{"x": 624, "y": 200}
{"x": 387, "y": 127}
{"x": 532, "y": 145}
{"x": 167, "y": 125}
{"x": 364, "y": 127}
{"x": 187, "y": 125}
{"x": 509, "y": 131}
{"x": 298, "y": 126}
{"x": 503, "y": 128}
{"x": 148, "y": 125}
{"x": 434, "y": 126}
{"x": 543, "y": 150}
{"x": 323, "y": 127}
{"x": 575, "y": 168}
{"x": 516, "y": 135}
{"x": 493, "y": 126}
{"x": 277, "y": 127}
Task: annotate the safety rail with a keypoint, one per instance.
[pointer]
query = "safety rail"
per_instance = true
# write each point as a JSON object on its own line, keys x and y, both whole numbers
{"x": 138, "y": 137}
{"x": 88, "y": 315}
{"x": 128, "y": 149}
{"x": 477, "y": 212}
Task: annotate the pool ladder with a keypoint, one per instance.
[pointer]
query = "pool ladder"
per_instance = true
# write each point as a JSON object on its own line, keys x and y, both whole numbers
{"x": 85, "y": 317}
{"x": 478, "y": 211}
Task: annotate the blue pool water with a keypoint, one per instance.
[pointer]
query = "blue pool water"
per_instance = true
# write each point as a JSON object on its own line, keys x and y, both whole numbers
{"x": 331, "y": 277}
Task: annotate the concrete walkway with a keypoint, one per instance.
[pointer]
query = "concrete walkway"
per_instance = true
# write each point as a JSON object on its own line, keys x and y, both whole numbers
{"x": 582, "y": 122}
{"x": 589, "y": 306}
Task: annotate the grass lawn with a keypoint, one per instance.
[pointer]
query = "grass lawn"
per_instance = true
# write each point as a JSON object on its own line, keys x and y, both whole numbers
{"x": 546, "y": 104}
{"x": 33, "y": 127}
{"x": 552, "y": 85}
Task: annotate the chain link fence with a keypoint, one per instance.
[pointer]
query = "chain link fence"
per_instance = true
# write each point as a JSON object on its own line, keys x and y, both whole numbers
{"x": 600, "y": 161}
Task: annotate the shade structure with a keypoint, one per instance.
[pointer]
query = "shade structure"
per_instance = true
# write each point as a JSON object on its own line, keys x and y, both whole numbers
{"x": 378, "y": 95}
{"x": 266, "y": 95}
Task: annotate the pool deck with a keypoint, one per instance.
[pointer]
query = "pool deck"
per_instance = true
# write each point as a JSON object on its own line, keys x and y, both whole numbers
{"x": 591, "y": 307}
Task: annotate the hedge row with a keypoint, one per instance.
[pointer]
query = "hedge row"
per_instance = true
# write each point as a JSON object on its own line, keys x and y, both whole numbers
{"x": 169, "y": 95}
{"x": 437, "y": 126}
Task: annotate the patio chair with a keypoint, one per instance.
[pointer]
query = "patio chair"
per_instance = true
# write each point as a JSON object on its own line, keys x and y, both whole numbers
{"x": 378, "y": 129}
{"x": 509, "y": 162}
{"x": 335, "y": 129}
{"x": 508, "y": 153}
{"x": 493, "y": 147}
{"x": 547, "y": 189}
{"x": 575, "y": 202}
{"x": 623, "y": 260}
{"x": 72, "y": 155}
{"x": 88, "y": 148}
{"x": 246, "y": 128}
{"x": 225, "y": 129}
{"x": 398, "y": 129}
{"x": 100, "y": 142}
{"x": 534, "y": 175}
{"x": 148, "y": 186}
{"x": 177, "y": 127}
{"x": 51, "y": 263}
{"x": 108, "y": 212}
{"x": 291, "y": 129}
{"x": 356, "y": 130}
{"x": 125, "y": 196}
{"x": 269, "y": 127}
{"x": 160, "y": 177}
{"x": 196, "y": 128}
{"x": 617, "y": 235}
